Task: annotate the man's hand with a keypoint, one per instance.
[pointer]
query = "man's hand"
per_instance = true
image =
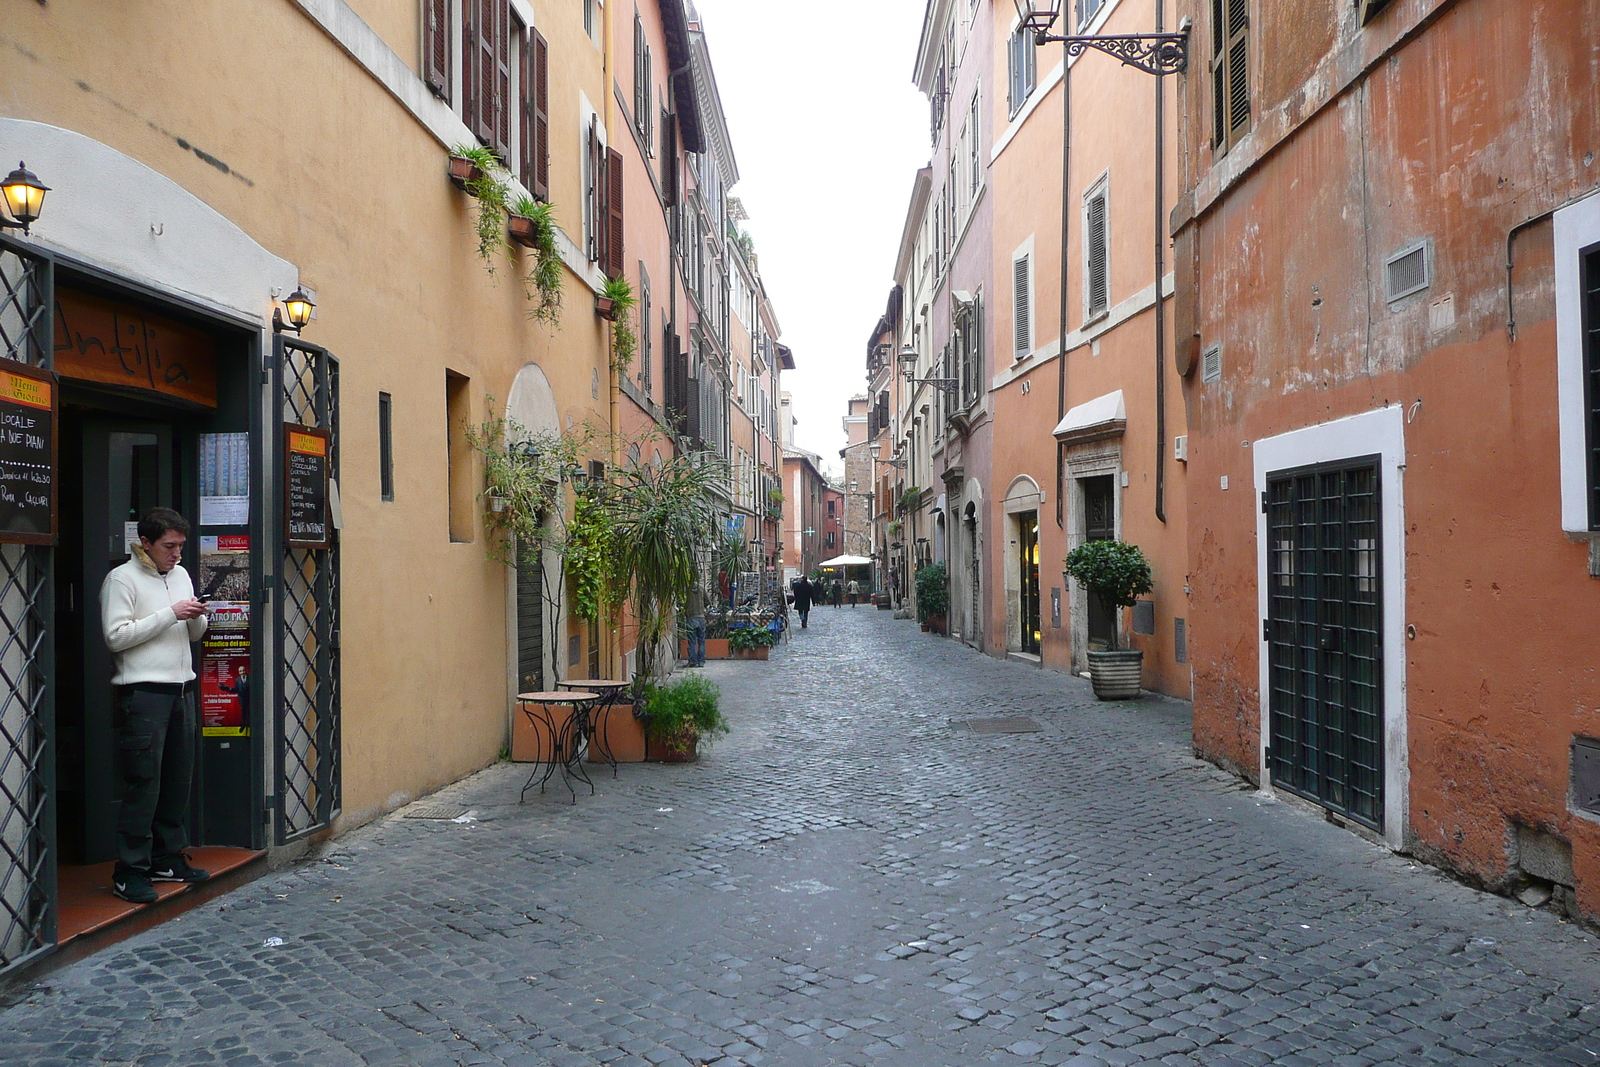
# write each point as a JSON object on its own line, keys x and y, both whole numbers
{"x": 189, "y": 609}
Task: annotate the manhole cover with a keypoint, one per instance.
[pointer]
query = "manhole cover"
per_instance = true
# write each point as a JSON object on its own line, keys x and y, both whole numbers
{"x": 435, "y": 813}
{"x": 1014, "y": 724}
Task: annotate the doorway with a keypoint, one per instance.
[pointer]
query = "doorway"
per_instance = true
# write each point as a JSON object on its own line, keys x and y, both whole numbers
{"x": 1324, "y": 636}
{"x": 1028, "y": 580}
{"x": 120, "y": 467}
{"x": 1100, "y": 524}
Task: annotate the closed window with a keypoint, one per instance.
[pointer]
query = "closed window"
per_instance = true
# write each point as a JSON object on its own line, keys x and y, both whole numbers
{"x": 385, "y": 448}
{"x": 1021, "y": 306}
{"x": 1230, "y": 72}
{"x": 1087, "y": 10}
{"x": 643, "y": 109}
{"x": 458, "y": 455}
{"x": 534, "y": 103}
{"x": 1022, "y": 63}
{"x": 1096, "y": 253}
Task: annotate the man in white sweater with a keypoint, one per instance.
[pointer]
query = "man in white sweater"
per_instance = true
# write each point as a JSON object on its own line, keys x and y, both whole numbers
{"x": 151, "y": 617}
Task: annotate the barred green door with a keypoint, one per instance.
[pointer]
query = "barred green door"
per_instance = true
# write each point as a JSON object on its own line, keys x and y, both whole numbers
{"x": 1324, "y": 637}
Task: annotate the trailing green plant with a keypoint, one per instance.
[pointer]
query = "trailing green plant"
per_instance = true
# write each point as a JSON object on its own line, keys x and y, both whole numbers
{"x": 909, "y": 497}
{"x": 590, "y": 554}
{"x": 522, "y": 475}
{"x": 896, "y": 528}
{"x": 933, "y": 592}
{"x": 543, "y": 283}
{"x": 746, "y": 638}
{"x": 492, "y": 193}
{"x": 624, "y": 342}
{"x": 1115, "y": 571}
{"x": 683, "y": 712}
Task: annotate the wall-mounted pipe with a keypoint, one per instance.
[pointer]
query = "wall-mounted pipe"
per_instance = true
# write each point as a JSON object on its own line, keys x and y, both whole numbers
{"x": 1161, "y": 267}
{"x": 1061, "y": 355}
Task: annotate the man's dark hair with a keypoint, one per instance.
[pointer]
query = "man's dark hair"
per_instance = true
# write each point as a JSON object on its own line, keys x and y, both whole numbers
{"x": 158, "y": 521}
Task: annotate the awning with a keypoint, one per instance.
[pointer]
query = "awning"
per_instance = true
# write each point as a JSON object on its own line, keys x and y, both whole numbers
{"x": 846, "y": 561}
{"x": 1093, "y": 420}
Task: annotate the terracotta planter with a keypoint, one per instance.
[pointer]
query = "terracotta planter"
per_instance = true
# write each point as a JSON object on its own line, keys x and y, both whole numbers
{"x": 522, "y": 231}
{"x": 617, "y": 733}
{"x": 661, "y": 752}
{"x": 463, "y": 170}
{"x": 1116, "y": 675}
{"x": 716, "y": 648}
{"x": 935, "y": 624}
{"x": 924, "y": 627}
{"x": 605, "y": 307}
{"x": 530, "y": 741}
{"x": 749, "y": 653}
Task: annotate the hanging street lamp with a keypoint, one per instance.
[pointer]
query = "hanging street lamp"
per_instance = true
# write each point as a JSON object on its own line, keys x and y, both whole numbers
{"x": 1153, "y": 53}
{"x": 24, "y": 196}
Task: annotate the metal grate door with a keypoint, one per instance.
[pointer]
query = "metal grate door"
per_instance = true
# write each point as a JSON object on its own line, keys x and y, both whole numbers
{"x": 1325, "y": 606}
{"x": 27, "y": 658}
{"x": 307, "y": 639}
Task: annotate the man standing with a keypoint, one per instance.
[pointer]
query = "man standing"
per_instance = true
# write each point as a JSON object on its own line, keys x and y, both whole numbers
{"x": 854, "y": 591}
{"x": 150, "y": 615}
{"x": 694, "y": 611}
{"x": 802, "y": 599}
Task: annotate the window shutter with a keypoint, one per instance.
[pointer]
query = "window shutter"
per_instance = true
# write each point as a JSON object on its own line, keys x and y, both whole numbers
{"x": 436, "y": 47}
{"x": 1097, "y": 251}
{"x": 975, "y": 357}
{"x": 647, "y": 114}
{"x": 471, "y": 110}
{"x": 1230, "y": 70}
{"x": 485, "y": 74}
{"x": 613, "y": 266}
{"x": 1022, "y": 317}
{"x": 536, "y": 115}
{"x": 501, "y": 124}
{"x": 597, "y": 226}
{"x": 669, "y": 159}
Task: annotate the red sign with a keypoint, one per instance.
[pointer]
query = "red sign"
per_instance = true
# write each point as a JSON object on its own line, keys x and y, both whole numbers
{"x": 225, "y": 683}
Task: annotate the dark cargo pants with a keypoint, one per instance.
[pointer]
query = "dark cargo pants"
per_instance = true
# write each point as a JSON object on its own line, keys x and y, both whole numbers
{"x": 155, "y": 747}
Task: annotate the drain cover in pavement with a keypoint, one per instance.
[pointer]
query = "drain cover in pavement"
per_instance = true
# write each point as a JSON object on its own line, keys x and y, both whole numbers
{"x": 1015, "y": 724}
{"x": 435, "y": 813}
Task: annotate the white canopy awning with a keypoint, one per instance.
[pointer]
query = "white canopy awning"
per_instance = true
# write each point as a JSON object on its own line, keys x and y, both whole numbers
{"x": 846, "y": 561}
{"x": 1093, "y": 420}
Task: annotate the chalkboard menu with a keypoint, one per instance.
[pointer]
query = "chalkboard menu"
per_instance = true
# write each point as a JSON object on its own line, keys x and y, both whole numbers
{"x": 305, "y": 485}
{"x": 28, "y": 406}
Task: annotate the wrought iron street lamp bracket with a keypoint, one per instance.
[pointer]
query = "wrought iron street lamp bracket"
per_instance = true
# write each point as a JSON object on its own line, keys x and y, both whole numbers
{"x": 947, "y": 385}
{"x": 1153, "y": 53}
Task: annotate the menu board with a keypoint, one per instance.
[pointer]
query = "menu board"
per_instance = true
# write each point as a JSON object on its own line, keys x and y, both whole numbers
{"x": 28, "y": 406}
{"x": 305, "y": 485}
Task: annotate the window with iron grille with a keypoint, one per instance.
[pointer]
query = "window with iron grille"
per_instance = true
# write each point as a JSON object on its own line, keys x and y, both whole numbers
{"x": 1096, "y": 253}
{"x": 1230, "y": 72}
{"x": 1022, "y": 56}
{"x": 1589, "y": 287}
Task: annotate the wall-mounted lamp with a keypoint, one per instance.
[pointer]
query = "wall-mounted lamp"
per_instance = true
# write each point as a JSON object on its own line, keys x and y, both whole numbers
{"x": 24, "y": 195}
{"x": 295, "y": 313}
{"x": 526, "y": 451}
{"x": 908, "y": 354}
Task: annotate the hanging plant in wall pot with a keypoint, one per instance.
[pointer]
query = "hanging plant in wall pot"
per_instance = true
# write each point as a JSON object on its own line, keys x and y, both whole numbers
{"x": 605, "y": 307}
{"x": 464, "y": 172}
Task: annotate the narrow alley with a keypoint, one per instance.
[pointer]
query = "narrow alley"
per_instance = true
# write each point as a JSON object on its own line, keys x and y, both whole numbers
{"x": 858, "y": 874}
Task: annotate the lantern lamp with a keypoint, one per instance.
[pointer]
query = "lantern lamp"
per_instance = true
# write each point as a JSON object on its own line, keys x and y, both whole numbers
{"x": 908, "y": 354}
{"x": 298, "y": 307}
{"x": 1038, "y": 15}
{"x": 24, "y": 194}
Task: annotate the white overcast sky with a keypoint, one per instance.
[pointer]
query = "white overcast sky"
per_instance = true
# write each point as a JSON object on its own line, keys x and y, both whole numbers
{"x": 829, "y": 133}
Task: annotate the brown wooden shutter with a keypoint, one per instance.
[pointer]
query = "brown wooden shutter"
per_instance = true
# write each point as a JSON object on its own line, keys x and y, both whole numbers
{"x": 436, "y": 47}
{"x": 597, "y": 222}
{"x": 613, "y": 266}
{"x": 669, "y": 159}
{"x": 539, "y": 138}
{"x": 1230, "y": 71}
{"x": 501, "y": 118}
{"x": 470, "y": 68}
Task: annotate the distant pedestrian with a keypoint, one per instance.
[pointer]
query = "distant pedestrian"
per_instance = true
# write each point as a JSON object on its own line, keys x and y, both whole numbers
{"x": 694, "y": 610}
{"x": 802, "y": 600}
{"x": 854, "y": 591}
{"x": 836, "y": 591}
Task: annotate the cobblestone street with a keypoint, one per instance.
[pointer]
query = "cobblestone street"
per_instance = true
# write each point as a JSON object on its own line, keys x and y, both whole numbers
{"x": 852, "y": 876}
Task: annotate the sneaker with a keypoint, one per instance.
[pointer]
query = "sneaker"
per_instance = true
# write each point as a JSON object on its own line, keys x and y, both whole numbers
{"x": 176, "y": 869}
{"x": 133, "y": 886}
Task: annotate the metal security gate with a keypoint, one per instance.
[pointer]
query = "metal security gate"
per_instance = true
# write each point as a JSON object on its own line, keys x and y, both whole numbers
{"x": 308, "y": 758}
{"x": 530, "y": 621}
{"x": 27, "y": 658}
{"x": 1323, "y": 630}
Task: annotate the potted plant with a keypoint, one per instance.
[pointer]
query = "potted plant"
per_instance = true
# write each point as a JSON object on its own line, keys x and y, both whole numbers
{"x": 533, "y": 226}
{"x": 614, "y": 302}
{"x": 679, "y": 716}
{"x": 750, "y": 642}
{"x": 1118, "y": 573}
{"x": 481, "y": 181}
{"x": 933, "y": 597}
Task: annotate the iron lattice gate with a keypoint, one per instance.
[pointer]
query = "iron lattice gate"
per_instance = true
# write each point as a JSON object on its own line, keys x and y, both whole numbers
{"x": 308, "y": 755}
{"x": 27, "y": 652}
{"x": 1325, "y": 605}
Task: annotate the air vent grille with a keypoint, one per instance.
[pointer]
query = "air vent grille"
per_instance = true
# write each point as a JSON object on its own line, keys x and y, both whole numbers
{"x": 1407, "y": 272}
{"x": 1211, "y": 364}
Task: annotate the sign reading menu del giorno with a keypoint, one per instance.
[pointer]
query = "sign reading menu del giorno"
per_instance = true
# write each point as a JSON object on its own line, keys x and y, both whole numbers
{"x": 28, "y": 405}
{"x": 305, "y": 485}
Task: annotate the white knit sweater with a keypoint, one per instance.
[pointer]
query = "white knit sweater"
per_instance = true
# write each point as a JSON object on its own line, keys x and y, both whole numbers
{"x": 146, "y": 639}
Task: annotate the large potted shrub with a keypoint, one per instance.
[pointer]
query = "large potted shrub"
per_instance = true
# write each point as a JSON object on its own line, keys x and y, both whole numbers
{"x": 750, "y": 642}
{"x": 679, "y": 716}
{"x": 933, "y": 597}
{"x": 1118, "y": 573}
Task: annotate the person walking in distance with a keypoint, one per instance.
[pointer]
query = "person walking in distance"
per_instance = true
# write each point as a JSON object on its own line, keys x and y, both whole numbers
{"x": 837, "y": 590}
{"x": 150, "y": 618}
{"x": 802, "y": 599}
{"x": 694, "y": 610}
{"x": 854, "y": 591}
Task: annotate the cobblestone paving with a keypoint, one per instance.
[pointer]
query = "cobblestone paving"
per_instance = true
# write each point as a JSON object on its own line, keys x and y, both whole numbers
{"x": 849, "y": 878}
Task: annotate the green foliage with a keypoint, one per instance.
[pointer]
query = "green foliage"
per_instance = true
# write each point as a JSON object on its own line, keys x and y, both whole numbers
{"x": 746, "y": 638}
{"x": 1114, "y": 570}
{"x": 590, "y": 556}
{"x": 544, "y": 281}
{"x": 523, "y": 487}
{"x": 624, "y": 342}
{"x": 933, "y": 592}
{"x": 492, "y": 193}
{"x": 683, "y": 711}
{"x": 909, "y": 498}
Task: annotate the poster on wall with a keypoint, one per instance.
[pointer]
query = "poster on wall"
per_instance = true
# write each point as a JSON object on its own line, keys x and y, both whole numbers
{"x": 28, "y": 406}
{"x": 225, "y": 650}
{"x": 224, "y": 479}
